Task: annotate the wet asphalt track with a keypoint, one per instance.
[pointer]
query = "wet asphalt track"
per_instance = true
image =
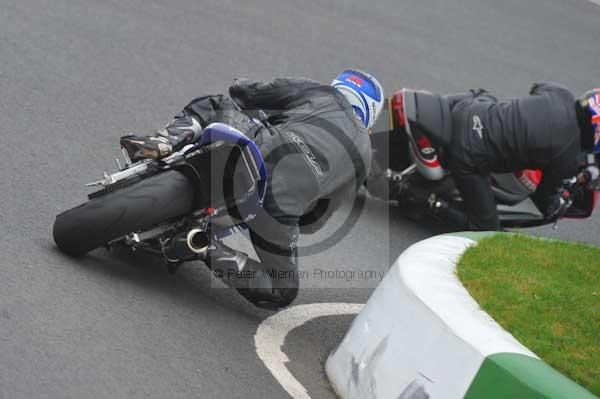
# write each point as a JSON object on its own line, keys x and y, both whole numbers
{"x": 74, "y": 75}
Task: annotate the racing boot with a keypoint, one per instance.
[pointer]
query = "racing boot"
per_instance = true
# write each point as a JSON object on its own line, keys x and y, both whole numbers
{"x": 248, "y": 277}
{"x": 183, "y": 130}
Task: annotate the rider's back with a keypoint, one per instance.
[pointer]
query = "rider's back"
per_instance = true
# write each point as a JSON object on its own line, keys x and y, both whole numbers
{"x": 533, "y": 132}
{"x": 313, "y": 123}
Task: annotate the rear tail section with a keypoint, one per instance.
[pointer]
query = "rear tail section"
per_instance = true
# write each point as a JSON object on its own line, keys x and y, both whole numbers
{"x": 422, "y": 151}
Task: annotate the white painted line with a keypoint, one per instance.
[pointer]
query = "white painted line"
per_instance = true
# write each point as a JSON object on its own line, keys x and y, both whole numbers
{"x": 596, "y": 2}
{"x": 271, "y": 333}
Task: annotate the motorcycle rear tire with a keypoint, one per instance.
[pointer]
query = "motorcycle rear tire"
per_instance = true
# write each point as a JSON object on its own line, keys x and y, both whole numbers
{"x": 149, "y": 202}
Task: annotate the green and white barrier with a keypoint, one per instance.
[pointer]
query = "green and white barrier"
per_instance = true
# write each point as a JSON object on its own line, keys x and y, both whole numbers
{"x": 422, "y": 336}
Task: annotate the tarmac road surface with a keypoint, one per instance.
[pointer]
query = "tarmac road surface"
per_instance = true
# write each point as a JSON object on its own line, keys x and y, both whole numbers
{"x": 75, "y": 75}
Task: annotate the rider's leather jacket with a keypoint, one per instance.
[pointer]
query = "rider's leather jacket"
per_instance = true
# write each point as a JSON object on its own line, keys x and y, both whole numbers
{"x": 477, "y": 133}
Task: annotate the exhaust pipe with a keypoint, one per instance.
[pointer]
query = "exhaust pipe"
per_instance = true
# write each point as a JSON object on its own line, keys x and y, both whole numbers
{"x": 186, "y": 245}
{"x": 198, "y": 241}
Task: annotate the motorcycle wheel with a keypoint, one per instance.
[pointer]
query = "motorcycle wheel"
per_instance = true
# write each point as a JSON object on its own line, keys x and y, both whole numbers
{"x": 140, "y": 206}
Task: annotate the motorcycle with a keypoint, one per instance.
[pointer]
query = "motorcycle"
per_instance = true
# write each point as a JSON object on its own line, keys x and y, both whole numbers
{"x": 420, "y": 186}
{"x": 174, "y": 207}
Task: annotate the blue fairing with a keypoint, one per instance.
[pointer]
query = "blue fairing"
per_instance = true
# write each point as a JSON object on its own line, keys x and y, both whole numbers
{"x": 222, "y": 132}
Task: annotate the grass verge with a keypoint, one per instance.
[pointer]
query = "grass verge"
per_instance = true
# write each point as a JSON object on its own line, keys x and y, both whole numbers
{"x": 546, "y": 294}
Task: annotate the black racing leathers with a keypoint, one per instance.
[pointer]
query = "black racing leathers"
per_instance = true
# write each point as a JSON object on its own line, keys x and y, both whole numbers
{"x": 314, "y": 148}
{"x": 539, "y": 131}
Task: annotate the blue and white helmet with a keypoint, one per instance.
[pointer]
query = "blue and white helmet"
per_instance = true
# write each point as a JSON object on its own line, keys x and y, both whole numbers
{"x": 363, "y": 92}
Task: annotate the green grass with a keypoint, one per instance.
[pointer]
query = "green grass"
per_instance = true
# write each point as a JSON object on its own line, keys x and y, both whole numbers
{"x": 546, "y": 294}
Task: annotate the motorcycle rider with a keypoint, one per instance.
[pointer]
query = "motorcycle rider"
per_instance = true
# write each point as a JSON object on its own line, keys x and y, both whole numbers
{"x": 314, "y": 140}
{"x": 474, "y": 134}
